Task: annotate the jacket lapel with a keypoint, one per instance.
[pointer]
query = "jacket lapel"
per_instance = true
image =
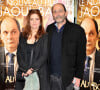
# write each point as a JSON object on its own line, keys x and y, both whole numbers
{"x": 97, "y": 59}
{"x": 2, "y": 64}
{"x": 97, "y": 67}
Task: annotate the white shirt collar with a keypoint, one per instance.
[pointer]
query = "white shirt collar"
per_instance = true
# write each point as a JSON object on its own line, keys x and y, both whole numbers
{"x": 93, "y": 54}
{"x": 6, "y": 51}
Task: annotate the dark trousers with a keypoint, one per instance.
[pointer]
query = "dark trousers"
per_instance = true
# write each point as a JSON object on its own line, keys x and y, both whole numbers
{"x": 9, "y": 86}
{"x": 56, "y": 84}
{"x": 19, "y": 85}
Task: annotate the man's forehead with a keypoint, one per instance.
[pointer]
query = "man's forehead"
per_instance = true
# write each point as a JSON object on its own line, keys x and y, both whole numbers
{"x": 8, "y": 24}
{"x": 88, "y": 23}
{"x": 89, "y": 30}
{"x": 8, "y": 20}
{"x": 59, "y": 6}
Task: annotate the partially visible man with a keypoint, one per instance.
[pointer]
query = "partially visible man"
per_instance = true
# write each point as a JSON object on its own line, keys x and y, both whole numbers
{"x": 10, "y": 32}
{"x": 67, "y": 51}
{"x": 92, "y": 63}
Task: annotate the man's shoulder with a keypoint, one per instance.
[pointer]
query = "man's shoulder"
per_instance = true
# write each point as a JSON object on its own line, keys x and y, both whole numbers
{"x": 97, "y": 57}
{"x": 1, "y": 54}
{"x": 97, "y": 53}
{"x": 50, "y": 26}
{"x": 74, "y": 30}
{"x": 75, "y": 27}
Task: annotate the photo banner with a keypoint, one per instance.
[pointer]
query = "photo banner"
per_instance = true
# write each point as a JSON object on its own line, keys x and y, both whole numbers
{"x": 19, "y": 9}
{"x": 90, "y": 9}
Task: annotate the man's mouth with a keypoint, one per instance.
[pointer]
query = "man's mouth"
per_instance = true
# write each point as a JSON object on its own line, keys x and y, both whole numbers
{"x": 11, "y": 42}
{"x": 88, "y": 45}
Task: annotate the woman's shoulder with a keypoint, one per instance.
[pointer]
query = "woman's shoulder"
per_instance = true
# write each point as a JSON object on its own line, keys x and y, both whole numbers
{"x": 43, "y": 38}
{"x": 45, "y": 35}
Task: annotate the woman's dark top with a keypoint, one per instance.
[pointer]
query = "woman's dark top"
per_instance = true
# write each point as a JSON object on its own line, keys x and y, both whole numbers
{"x": 34, "y": 56}
{"x": 29, "y": 48}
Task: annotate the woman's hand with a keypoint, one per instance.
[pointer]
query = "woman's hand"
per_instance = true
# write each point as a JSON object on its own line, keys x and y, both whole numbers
{"x": 28, "y": 72}
{"x": 76, "y": 81}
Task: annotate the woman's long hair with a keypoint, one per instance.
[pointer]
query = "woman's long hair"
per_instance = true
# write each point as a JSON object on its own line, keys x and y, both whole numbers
{"x": 27, "y": 30}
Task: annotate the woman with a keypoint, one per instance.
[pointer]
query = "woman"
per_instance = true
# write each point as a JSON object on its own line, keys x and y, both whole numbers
{"x": 32, "y": 51}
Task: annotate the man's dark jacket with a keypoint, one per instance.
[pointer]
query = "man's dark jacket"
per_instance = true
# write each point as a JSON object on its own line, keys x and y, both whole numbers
{"x": 97, "y": 67}
{"x": 3, "y": 74}
{"x": 96, "y": 72}
{"x": 73, "y": 51}
{"x": 2, "y": 69}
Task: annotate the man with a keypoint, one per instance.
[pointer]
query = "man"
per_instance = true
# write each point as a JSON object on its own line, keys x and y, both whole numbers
{"x": 67, "y": 45}
{"x": 91, "y": 30}
{"x": 10, "y": 32}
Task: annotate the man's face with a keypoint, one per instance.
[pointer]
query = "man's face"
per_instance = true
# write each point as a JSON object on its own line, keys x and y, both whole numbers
{"x": 58, "y": 13}
{"x": 10, "y": 34}
{"x": 91, "y": 34}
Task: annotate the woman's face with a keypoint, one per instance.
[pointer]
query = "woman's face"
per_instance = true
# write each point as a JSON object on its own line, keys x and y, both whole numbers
{"x": 34, "y": 21}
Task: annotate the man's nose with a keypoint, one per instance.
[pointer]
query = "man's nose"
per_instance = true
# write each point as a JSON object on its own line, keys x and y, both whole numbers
{"x": 57, "y": 13}
{"x": 88, "y": 38}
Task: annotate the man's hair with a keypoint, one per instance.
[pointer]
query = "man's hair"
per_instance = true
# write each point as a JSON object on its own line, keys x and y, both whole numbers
{"x": 59, "y": 4}
{"x": 18, "y": 25}
{"x": 95, "y": 23}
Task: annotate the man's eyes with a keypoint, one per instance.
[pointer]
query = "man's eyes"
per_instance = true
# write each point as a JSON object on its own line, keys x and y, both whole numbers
{"x": 13, "y": 32}
{"x": 91, "y": 33}
{"x": 57, "y": 11}
{"x": 5, "y": 32}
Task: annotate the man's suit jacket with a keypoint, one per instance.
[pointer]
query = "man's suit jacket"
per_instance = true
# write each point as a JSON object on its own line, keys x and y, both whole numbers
{"x": 2, "y": 67}
{"x": 73, "y": 51}
{"x": 3, "y": 73}
{"x": 84, "y": 84}
{"x": 97, "y": 66}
